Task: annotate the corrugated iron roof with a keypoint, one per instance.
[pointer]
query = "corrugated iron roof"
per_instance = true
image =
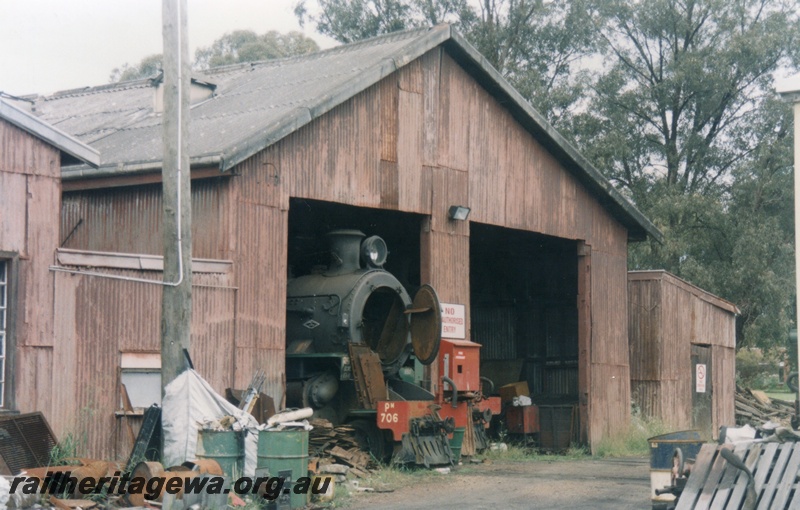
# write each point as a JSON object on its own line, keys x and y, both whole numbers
{"x": 47, "y": 132}
{"x": 257, "y": 104}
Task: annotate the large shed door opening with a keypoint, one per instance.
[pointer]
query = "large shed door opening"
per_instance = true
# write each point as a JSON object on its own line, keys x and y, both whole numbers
{"x": 524, "y": 313}
{"x": 346, "y": 332}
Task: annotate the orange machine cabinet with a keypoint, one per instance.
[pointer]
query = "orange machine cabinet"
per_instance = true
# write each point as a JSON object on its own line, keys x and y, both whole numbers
{"x": 459, "y": 360}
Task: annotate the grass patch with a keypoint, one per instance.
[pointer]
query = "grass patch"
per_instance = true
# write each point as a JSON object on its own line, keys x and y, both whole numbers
{"x": 780, "y": 395}
{"x": 69, "y": 447}
{"x": 384, "y": 478}
{"x": 521, "y": 453}
{"x": 633, "y": 441}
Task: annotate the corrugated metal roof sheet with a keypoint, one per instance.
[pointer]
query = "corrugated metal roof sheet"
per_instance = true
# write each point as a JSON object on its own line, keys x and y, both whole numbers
{"x": 257, "y": 104}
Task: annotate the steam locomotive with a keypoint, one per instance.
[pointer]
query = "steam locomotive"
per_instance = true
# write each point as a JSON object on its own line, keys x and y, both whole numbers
{"x": 356, "y": 345}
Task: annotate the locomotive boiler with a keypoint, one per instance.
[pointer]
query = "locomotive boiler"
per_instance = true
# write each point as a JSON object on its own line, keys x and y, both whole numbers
{"x": 355, "y": 342}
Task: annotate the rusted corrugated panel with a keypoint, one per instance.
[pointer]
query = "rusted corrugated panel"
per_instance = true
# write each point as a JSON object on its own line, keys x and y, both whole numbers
{"x": 431, "y": 78}
{"x": 389, "y": 118}
{"x": 409, "y": 151}
{"x": 609, "y": 412}
{"x": 35, "y": 320}
{"x": 337, "y": 157}
{"x": 609, "y": 309}
{"x": 448, "y": 187}
{"x": 34, "y": 381}
{"x": 261, "y": 311}
{"x": 561, "y": 381}
{"x": 24, "y": 153}
{"x": 442, "y": 261}
{"x": 457, "y": 90}
{"x": 97, "y": 319}
{"x": 724, "y": 386}
{"x": 213, "y": 326}
{"x": 13, "y": 196}
{"x": 646, "y": 396}
{"x": 129, "y": 220}
{"x": 494, "y": 328}
{"x": 644, "y": 330}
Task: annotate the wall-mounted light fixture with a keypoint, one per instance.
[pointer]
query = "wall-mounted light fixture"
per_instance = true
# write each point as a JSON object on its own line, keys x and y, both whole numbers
{"x": 458, "y": 212}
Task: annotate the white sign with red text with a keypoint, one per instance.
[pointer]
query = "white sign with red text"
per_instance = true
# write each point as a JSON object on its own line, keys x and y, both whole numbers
{"x": 700, "y": 378}
{"x": 454, "y": 321}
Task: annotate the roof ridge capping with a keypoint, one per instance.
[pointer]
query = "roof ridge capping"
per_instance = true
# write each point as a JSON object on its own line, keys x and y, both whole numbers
{"x": 342, "y": 48}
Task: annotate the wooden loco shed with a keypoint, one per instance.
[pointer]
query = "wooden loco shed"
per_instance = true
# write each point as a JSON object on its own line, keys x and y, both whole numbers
{"x": 383, "y": 136}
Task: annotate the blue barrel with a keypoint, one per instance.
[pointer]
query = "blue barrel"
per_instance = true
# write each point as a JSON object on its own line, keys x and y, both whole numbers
{"x": 662, "y": 449}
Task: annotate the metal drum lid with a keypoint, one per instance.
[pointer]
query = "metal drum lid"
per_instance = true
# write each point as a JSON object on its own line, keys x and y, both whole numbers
{"x": 426, "y": 324}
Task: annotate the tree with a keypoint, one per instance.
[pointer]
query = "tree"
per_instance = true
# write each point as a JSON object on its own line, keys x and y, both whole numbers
{"x": 247, "y": 46}
{"x": 684, "y": 120}
{"x": 536, "y": 45}
{"x": 231, "y": 48}
{"x": 147, "y": 68}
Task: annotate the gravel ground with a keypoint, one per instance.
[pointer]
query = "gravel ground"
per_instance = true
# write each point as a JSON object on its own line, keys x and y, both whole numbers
{"x": 575, "y": 484}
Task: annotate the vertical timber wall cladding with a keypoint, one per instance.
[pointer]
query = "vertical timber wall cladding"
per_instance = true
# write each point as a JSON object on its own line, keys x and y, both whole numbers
{"x": 420, "y": 140}
{"x": 667, "y": 317}
{"x": 423, "y": 139}
{"x": 30, "y": 194}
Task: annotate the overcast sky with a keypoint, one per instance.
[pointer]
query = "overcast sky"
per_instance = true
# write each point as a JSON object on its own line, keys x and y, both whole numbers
{"x": 51, "y": 45}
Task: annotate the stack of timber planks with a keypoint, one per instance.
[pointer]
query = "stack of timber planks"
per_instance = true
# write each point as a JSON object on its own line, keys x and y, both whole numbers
{"x": 754, "y": 407}
{"x": 334, "y": 450}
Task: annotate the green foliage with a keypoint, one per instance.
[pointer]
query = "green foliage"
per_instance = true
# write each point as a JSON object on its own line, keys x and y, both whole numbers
{"x": 247, "y": 46}
{"x": 149, "y": 67}
{"x": 685, "y": 121}
{"x": 632, "y": 442}
{"x": 758, "y": 370}
{"x": 70, "y": 447}
{"x": 231, "y": 48}
{"x": 537, "y": 45}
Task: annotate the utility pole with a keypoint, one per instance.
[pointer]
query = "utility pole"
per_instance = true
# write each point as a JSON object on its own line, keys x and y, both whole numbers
{"x": 791, "y": 94}
{"x": 176, "y": 297}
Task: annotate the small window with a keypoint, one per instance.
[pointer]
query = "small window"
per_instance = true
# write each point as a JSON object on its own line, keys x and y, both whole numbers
{"x": 3, "y": 328}
{"x": 140, "y": 372}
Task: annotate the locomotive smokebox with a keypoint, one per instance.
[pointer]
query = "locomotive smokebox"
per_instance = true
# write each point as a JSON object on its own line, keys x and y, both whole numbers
{"x": 350, "y": 303}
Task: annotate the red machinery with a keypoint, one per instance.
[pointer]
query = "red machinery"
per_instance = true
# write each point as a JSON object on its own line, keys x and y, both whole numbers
{"x": 424, "y": 426}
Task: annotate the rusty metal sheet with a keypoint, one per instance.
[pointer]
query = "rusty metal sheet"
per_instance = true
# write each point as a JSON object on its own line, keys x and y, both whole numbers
{"x": 368, "y": 376}
{"x": 426, "y": 324}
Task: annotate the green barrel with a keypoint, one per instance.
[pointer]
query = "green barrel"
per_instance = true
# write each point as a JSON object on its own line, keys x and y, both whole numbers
{"x": 282, "y": 451}
{"x": 224, "y": 446}
{"x": 455, "y": 443}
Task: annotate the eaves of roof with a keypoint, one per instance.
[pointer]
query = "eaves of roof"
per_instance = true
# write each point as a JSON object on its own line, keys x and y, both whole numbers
{"x": 54, "y": 136}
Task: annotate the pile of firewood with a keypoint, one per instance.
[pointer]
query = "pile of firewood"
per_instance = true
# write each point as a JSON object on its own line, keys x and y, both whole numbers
{"x": 335, "y": 451}
{"x": 755, "y": 407}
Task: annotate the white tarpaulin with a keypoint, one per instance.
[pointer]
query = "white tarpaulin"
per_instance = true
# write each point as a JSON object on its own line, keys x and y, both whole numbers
{"x": 190, "y": 400}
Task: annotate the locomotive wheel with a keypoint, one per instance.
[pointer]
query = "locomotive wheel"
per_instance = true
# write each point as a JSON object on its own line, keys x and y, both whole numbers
{"x": 371, "y": 439}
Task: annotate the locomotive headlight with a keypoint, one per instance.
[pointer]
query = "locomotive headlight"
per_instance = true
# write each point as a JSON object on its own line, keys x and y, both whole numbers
{"x": 374, "y": 251}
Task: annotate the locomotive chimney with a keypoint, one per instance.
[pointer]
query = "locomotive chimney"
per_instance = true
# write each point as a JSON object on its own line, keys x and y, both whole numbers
{"x": 345, "y": 251}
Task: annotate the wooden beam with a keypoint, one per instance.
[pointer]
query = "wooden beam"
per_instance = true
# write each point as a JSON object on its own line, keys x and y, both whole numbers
{"x": 135, "y": 179}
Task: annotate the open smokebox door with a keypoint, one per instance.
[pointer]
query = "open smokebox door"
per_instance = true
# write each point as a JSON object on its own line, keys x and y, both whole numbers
{"x": 426, "y": 324}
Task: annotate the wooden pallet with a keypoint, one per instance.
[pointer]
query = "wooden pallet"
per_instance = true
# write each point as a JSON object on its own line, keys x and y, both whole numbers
{"x": 716, "y": 485}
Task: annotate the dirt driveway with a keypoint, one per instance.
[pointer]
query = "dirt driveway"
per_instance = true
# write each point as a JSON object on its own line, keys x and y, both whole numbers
{"x": 573, "y": 484}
